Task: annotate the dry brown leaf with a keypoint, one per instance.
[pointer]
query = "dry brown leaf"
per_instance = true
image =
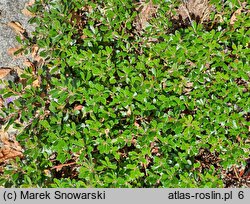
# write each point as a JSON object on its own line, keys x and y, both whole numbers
{"x": 7, "y": 153}
{"x": 43, "y": 95}
{"x": 18, "y": 70}
{"x": 136, "y": 124}
{"x": 238, "y": 138}
{"x": 4, "y": 71}
{"x": 16, "y": 26}
{"x": 36, "y": 83}
{"x": 207, "y": 65}
{"x": 78, "y": 107}
{"x": 106, "y": 131}
{"x": 147, "y": 10}
{"x": 11, "y": 52}
{"x": 26, "y": 12}
{"x": 47, "y": 172}
{"x": 34, "y": 50}
{"x": 4, "y": 137}
{"x": 35, "y": 55}
{"x": 39, "y": 61}
{"x": 28, "y": 63}
{"x": 5, "y": 150}
{"x": 1, "y": 102}
{"x": 83, "y": 37}
{"x": 31, "y": 2}
{"x": 10, "y": 149}
{"x": 192, "y": 10}
{"x": 234, "y": 16}
{"x": 129, "y": 112}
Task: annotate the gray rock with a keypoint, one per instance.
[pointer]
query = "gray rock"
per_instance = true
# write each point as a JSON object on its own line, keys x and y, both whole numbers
{"x": 11, "y": 10}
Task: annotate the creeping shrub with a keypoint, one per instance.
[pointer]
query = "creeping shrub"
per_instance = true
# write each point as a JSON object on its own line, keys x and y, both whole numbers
{"x": 116, "y": 106}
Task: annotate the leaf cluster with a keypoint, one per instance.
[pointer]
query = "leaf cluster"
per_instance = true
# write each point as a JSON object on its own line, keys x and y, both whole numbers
{"x": 115, "y": 108}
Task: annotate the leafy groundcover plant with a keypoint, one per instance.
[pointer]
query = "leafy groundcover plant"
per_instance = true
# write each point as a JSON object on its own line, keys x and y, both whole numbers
{"x": 124, "y": 100}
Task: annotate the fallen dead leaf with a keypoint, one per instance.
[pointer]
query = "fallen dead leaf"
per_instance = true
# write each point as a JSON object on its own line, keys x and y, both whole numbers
{"x": 4, "y": 71}
{"x": 133, "y": 141}
{"x": 238, "y": 138}
{"x": 10, "y": 149}
{"x": 17, "y": 27}
{"x": 146, "y": 11}
{"x": 83, "y": 37}
{"x": 11, "y": 52}
{"x": 36, "y": 83}
{"x": 28, "y": 63}
{"x": 7, "y": 153}
{"x": 18, "y": 70}
{"x": 36, "y": 57}
{"x": 34, "y": 50}
{"x": 4, "y": 137}
{"x": 106, "y": 131}
{"x": 1, "y": 102}
{"x": 26, "y": 12}
{"x": 47, "y": 172}
{"x": 43, "y": 95}
{"x": 207, "y": 65}
{"x": 238, "y": 12}
{"x": 234, "y": 16}
{"x": 39, "y": 61}
{"x": 78, "y": 107}
{"x": 136, "y": 124}
{"x": 30, "y": 3}
{"x": 129, "y": 112}
{"x": 192, "y": 10}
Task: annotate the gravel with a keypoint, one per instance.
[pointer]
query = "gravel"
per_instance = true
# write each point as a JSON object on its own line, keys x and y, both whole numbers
{"x": 11, "y": 10}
